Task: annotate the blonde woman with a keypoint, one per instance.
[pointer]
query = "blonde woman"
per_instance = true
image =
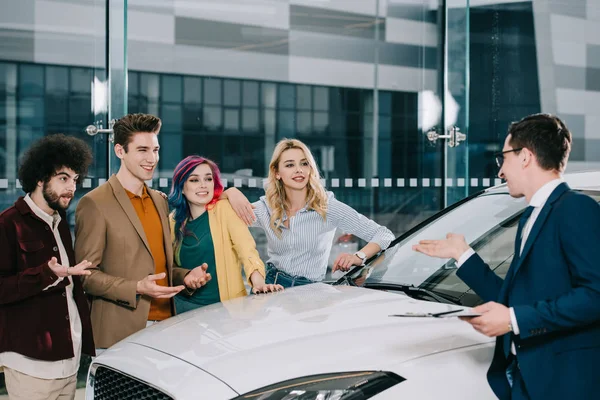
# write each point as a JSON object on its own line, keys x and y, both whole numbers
{"x": 300, "y": 219}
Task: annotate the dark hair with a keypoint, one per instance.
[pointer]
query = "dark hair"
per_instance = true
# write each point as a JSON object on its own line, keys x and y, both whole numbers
{"x": 48, "y": 155}
{"x": 546, "y": 136}
{"x": 129, "y": 125}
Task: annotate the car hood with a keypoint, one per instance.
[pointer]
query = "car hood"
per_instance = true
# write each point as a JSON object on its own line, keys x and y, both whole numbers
{"x": 260, "y": 339}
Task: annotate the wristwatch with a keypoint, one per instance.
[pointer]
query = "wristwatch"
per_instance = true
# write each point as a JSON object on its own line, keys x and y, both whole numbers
{"x": 362, "y": 256}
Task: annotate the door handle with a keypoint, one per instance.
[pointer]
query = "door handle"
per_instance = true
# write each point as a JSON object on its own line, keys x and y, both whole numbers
{"x": 97, "y": 128}
{"x": 453, "y": 134}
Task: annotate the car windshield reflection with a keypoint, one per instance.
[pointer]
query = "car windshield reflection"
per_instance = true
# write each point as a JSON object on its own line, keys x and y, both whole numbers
{"x": 488, "y": 221}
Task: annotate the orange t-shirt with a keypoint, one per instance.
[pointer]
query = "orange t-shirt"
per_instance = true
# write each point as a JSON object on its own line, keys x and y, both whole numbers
{"x": 148, "y": 214}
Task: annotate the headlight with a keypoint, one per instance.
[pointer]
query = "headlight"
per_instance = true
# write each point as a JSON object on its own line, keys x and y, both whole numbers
{"x": 337, "y": 386}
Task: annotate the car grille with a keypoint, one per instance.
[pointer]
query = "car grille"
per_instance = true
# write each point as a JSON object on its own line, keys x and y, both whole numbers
{"x": 113, "y": 385}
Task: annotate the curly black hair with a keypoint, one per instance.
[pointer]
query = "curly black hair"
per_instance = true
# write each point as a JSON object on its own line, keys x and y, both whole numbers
{"x": 51, "y": 153}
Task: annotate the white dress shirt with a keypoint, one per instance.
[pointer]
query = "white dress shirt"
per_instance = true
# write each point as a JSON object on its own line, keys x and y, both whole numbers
{"x": 51, "y": 369}
{"x": 538, "y": 201}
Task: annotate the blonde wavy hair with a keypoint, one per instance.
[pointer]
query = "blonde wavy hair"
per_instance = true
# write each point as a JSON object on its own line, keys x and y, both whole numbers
{"x": 316, "y": 197}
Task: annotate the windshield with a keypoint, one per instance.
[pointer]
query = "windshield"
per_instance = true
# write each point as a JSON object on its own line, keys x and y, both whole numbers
{"x": 489, "y": 223}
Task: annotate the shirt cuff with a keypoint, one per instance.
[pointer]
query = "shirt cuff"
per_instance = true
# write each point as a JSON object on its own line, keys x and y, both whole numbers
{"x": 513, "y": 321}
{"x": 465, "y": 256}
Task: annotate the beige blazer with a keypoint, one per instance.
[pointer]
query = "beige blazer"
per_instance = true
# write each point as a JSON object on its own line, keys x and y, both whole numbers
{"x": 109, "y": 234}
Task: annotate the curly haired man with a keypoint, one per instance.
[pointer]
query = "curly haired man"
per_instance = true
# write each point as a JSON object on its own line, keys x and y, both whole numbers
{"x": 44, "y": 314}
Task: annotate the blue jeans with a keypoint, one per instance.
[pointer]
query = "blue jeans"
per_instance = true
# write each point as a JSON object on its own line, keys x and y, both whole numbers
{"x": 275, "y": 276}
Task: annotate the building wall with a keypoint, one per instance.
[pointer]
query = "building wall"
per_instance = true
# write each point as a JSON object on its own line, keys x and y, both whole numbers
{"x": 230, "y": 78}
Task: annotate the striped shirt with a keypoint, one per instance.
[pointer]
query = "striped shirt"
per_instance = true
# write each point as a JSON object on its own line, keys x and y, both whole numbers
{"x": 304, "y": 247}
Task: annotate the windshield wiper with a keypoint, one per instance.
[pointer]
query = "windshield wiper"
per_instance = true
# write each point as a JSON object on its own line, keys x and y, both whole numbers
{"x": 347, "y": 277}
{"x": 412, "y": 290}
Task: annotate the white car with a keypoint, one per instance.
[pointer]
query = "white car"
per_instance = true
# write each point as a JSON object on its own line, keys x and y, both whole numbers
{"x": 336, "y": 340}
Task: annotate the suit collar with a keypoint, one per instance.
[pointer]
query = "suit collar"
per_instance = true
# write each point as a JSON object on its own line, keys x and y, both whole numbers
{"x": 543, "y": 194}
{"x": 125, "y": 203}
{"x": 558, "y": 192}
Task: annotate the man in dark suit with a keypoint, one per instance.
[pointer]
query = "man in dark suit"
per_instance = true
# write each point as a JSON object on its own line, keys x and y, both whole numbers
{"x": 545, "y": 314}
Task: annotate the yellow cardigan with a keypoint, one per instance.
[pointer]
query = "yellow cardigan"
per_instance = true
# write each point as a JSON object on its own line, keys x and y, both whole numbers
{"x": 234, "y": 246}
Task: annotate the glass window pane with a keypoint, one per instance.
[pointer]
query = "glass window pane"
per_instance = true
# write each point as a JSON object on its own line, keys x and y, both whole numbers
{"x": 399, "y": 103}
{"x": 212, "y": 91}
{"x": 303, "y": 97}
{"x": 8, "y": 79}
{"x": 57, "y": 80}
{"x": 385, "y": 127}
{"x": 81, "y": 80}
{"x": 171, "y": 117}
{"x": 3, "y": 119}
{"x": 368, "y": 102}
{"x": 250, "y": 122}
{"x": 231, "y": 92}
{"x": 232, "y": 158}
{"x": 321, "y": 122}
{"x": 269, "y": 95}
{"x": 133, "y": 105}
{"x": 385, "y": 103}
{"x": 57, "y": 111}
{"x": 192, "y": 117}
{"x": 212, "y": 118}
{"x": 31, "y": 80}
{"x": 192, "y": 90}
{"x": 353, "y": 128}
{"x": 254, "y": 154}
{"x": 26, "y": 136}
{"x": 285, "y": 124}
{"x": 269, "y": 122}
{"x": 286, "y": 98}
{"x": 232, "y": 120}
{"x": 304, "y": 123}
{"x": 133, "y": 84}
{"x": 171, "y": 89}
{"x": 80, "y": 111}
{"x": 367, "y": 126}
{"x": 352, "y": 99}
{"x": 149, "y": 87}
{"x": 31, "y": 112}
{"x": 250, "y": 93}
{"x": 207, "y": 144}
{"x": 321, "y": 98}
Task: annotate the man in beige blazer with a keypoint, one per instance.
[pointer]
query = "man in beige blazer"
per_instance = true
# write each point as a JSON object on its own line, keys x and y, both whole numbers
{"x": 122, "y": 228}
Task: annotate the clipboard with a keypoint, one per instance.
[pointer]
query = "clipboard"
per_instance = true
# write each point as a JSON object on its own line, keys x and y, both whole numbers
{"x": 459, "y": 312}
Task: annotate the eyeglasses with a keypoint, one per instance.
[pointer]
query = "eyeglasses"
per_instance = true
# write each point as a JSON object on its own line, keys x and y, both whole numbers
{"x": 500, "y": 156}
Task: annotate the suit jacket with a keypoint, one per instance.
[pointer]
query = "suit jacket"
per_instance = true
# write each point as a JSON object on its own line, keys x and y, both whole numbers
{"x": 554, "y": 288}
{"x": 35, "y": 322}
{"x": 109, "y": 234}
{"x": 234, "y": 247}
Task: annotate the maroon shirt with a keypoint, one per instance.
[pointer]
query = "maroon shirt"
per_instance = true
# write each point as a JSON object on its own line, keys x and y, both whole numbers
{"x": 34, "y": 322}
